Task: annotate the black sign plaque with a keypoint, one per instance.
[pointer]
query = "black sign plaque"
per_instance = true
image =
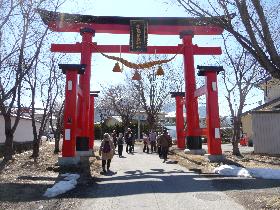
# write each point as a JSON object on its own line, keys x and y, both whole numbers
{"x": 138, "y": 35}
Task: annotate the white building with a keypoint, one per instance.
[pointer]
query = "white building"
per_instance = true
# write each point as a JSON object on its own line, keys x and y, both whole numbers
{"x": 23, "y": 132}
{"x": 262, "y": 124}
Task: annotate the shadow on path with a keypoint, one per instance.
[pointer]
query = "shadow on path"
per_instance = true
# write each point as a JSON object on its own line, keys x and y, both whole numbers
{"x": 176, "y": 181}
{"x": 138, "y": 182}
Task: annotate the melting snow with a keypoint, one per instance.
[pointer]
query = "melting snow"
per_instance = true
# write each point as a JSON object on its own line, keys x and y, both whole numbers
{"x": 69, "y": 183}
{"x": 264, "y": 173}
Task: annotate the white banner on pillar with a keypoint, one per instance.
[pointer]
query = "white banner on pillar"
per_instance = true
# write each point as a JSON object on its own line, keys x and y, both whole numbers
{"x": 67, "y": 134}
{"x": 214, "y": 86}
{"x": 217, "y": 133}
{"x": 70, "y": 85}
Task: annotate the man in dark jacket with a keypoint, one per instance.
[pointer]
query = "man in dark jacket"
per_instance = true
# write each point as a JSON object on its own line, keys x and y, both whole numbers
{"x": 120, "y": 143}
{"x": 128, "y": 136}
{"x": 165, "y": 142}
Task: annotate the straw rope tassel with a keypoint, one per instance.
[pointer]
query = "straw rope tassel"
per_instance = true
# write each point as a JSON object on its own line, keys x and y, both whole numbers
{"x": 134, "y": 65}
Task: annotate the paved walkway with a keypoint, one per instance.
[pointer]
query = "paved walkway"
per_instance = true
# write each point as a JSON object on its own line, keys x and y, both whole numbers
{"x": 142, "y": 181}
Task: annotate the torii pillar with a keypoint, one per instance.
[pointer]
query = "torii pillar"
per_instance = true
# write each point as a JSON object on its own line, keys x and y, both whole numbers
{"x": 70, "y": 112}
{"x": 86, "y": 45}
{"x": 93, "y": 94}
{"x": 212, "y": 111}
{"x": 194, "y": 141}
{"x": 180, "y": 129}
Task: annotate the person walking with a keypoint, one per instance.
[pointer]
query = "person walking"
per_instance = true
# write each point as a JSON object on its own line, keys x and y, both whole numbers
{"x": 115, "y": 137}
{"x": 128, "y": 136}
{"x": 152, "y": 138}
{"x": 132, "y": 144}
{"x": 120, "y": 143}
{"x": 106, "y": 151}
{"x": 165, "y": 142}
{"x": 158, "y": 146}
{"x": 146, "y": 143}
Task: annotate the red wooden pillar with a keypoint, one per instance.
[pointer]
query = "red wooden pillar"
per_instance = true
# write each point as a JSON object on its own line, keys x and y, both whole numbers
{"x": 91, "y": 118}
{"x": 192, "y": 118}
{"x": 180, "y": 130}
{"x": 212, "y": 108}
{"x": 70, "y": 108}
{"x": 86, "y": 51}
{"x": 91, "y": 123}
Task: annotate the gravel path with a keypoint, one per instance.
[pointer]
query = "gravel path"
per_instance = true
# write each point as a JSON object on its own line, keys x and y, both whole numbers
{"x": 142, "y": 181}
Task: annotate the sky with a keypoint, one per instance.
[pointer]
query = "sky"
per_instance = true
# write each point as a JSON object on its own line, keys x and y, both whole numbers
{"x": 102, "y": 74}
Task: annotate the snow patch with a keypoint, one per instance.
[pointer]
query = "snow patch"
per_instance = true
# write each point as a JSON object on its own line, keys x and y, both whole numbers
{"x": 69, "y": 183}
{"x": 264, "y": 173}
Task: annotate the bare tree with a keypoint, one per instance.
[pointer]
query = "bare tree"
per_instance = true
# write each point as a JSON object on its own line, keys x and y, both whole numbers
{"x": 255, "y": 27}
{"x": 239, "y": 80}
{"x": 32, "y": 80}
{"x": 48, "y": 86}
{"x": 153, "y": 91}
{"x": 13, "y": 69}
{"x": 21, "y": 39}
{"x": 119, "y": 99}
{"x": 56, "y": 95}
{"x": 56, "y": 121}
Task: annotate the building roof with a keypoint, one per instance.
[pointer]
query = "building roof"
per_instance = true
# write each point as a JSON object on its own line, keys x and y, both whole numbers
{"x": 273, "y": 104}
{"x": 22, "y": 117}
{"x": 117, "y": 118}
{"x": 173, "y": 114}
{"x": 276, "y": 111}
{"x": 268, "y": 82}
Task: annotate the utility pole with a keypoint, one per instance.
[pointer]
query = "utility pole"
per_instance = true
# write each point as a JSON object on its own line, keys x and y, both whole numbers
{"x": 138, "y": 125}
{"x": 101, "y": 125}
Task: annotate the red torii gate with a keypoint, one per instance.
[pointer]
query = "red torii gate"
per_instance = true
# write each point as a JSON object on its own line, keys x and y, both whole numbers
{"x": 212, "y": 130}
{"x": 87, "y": 26}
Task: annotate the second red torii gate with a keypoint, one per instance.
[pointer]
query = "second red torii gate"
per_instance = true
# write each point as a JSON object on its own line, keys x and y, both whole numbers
{"x": 212, "y": 130}
{"x": 87, "y": 26}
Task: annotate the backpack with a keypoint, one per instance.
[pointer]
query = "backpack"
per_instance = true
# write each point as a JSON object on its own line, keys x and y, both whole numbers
{"x": 106, "y": 147}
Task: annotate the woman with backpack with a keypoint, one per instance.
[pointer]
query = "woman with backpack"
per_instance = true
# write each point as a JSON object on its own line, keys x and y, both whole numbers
{"x": 106, "y": 151}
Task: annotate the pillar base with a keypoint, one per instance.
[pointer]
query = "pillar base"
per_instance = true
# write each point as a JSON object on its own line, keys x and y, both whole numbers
{"x": 82, "y": 143}
{"x": 68, "y": 161}
{"x": 194, "y": 142}
{"x": 181, "y": 143}
{"x": 214, "y": 158}
{"x": 195, "y": 151}
{"x": 88, "y": 153}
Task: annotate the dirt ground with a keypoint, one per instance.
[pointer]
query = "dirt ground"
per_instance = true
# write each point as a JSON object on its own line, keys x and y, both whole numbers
{"x": 251, "y": 193}
{"x": 23, "y": 182}
{"x": 248, "y": 160}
